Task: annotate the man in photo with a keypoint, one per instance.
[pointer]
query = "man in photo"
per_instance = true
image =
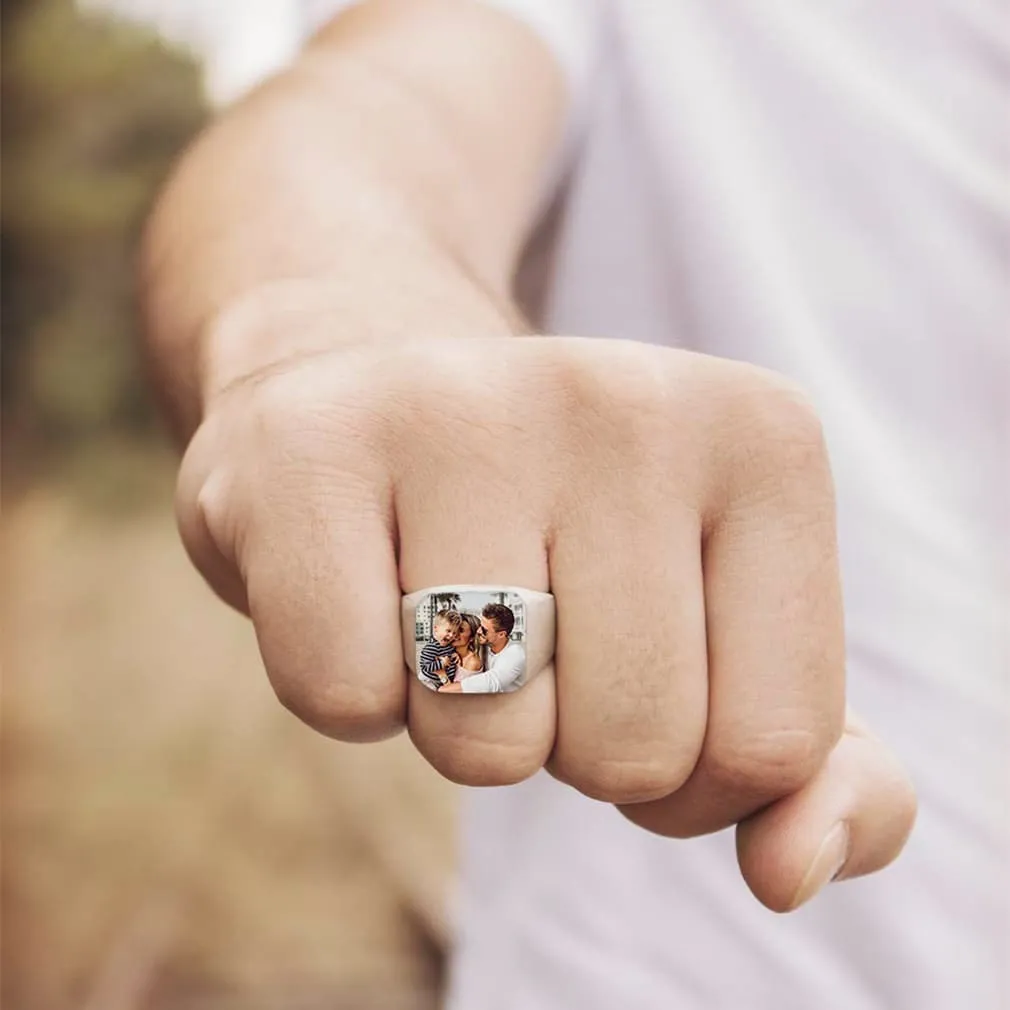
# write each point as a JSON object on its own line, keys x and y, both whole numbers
{"x": 437, "y": 663}
{"x": 506, "y": 660}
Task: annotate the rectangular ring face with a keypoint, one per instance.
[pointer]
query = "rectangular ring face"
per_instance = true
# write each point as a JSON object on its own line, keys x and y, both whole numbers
{"x": 469, "y": 641}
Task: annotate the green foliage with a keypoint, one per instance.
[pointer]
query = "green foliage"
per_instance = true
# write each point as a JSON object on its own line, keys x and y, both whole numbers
{"x": 94, "y": 114}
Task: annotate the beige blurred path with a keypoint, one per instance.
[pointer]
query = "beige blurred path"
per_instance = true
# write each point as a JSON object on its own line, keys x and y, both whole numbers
{"x": 172, "y": 837}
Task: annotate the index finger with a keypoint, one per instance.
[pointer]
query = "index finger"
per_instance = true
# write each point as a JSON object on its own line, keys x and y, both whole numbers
{"x": 306, "y": 522}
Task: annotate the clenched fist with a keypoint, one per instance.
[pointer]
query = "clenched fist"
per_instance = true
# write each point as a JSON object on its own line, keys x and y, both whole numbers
{"x": 679, "y": 507}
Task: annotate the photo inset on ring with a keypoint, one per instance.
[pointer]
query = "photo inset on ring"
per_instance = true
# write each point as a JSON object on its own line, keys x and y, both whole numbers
{"x": 471, "y": 642}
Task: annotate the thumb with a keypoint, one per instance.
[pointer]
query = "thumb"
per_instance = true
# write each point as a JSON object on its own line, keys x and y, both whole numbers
{"x": 853, "y": 817}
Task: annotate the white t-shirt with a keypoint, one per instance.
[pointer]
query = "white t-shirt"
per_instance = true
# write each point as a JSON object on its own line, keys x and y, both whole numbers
{"x": 506, "y": 672}
{"x": 820, "y": 188}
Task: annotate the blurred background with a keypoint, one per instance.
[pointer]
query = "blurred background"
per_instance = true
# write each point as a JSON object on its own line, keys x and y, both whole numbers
{"x": 172, "y": 838}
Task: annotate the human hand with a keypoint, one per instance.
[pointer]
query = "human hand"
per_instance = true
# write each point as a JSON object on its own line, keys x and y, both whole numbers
{"x": 451, "y": 689}
{"x": 691, "y": 495}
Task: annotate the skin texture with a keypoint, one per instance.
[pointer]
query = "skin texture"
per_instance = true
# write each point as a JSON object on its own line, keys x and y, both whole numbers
{"x": 300, "y": 311}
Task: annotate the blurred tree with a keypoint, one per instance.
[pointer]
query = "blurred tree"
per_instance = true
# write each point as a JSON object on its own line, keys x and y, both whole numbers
{"x": 445, "y": 601}
{"x": 94, "y": 114}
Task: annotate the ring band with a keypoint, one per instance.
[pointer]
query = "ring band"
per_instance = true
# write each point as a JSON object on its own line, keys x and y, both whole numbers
{"x": 474, "y": 639}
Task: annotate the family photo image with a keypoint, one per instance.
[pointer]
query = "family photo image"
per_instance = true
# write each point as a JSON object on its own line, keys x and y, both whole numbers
{"x": 471, "y": 642}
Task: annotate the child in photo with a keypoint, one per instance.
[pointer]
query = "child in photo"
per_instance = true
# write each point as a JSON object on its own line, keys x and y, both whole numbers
{"x": 438, "y": 661}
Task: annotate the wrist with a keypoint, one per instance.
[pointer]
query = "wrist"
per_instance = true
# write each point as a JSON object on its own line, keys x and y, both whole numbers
{"x": 295, "y": 318}
{"x": 278, "y": 322}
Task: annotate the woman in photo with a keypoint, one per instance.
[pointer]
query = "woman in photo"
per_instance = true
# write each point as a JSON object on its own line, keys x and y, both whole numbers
{"x": 468, "y": 648}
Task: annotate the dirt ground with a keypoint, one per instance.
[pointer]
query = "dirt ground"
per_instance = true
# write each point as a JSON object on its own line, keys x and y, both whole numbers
{"x": 172, "y": 838}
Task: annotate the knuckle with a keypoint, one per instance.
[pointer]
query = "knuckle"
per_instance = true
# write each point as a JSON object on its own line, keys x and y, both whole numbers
{"x": 482, "y": 764}
{"x": 625, "y": 780}
{"x": 485, "y": 740}
{"x": 624, "y": 380}
{"x": 347, "y": 712}
{"x": 770, "y": 446}
{"x": 214, "y": 509}
{"x": 298, "y": 436}
{"x": 282, "y": 410}
{"x": 622, "y": 407}
{"x": 777, "y": 417}
{"x": 770, "y": 764}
